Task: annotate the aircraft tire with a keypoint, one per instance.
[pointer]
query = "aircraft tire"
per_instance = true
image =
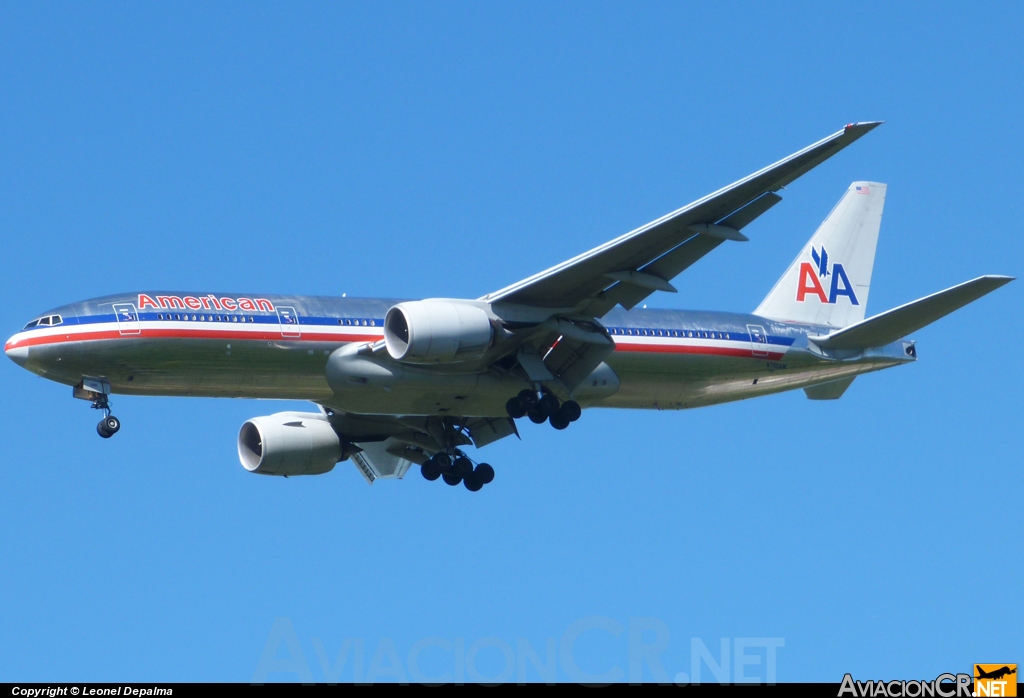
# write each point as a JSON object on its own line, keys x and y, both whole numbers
{"x": 451, "y": 478}
{"x": 527, "y": 397}
{"x": 571, "y": 410}
{"x": 549, "y": 405}
{"x": 102, "y": 430}
{"x": 463, "y": 466}
{"x": 515, "y": 408}
{"x": 430, "y": 471}
{"x": 443, "y": 461}
{"x": 558, "y": 421}
{"x": 484, "y": 473}
{"x": 472, "y": 483}
{"x": 536, "y": 415}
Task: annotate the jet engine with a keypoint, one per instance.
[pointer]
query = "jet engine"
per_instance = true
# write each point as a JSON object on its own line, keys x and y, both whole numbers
{"x": 289, "y": 443}
{"x": 437, "y": 331}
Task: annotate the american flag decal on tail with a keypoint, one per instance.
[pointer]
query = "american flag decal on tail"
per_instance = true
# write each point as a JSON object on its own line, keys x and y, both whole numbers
{"x": 865, "y": 189}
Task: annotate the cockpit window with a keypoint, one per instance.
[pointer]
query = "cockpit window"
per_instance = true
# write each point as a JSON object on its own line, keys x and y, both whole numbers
{"x": 43, "y": 322}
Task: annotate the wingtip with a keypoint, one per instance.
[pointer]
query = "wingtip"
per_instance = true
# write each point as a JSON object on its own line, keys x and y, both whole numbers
{"x": 862, "y": 126}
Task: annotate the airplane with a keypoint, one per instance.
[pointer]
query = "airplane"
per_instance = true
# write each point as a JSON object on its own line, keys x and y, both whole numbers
{"x": 403, "y": 382}
{"x": 996, "y": 673}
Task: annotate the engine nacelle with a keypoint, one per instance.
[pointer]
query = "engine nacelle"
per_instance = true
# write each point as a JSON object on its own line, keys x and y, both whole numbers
{"x": 437, "y": 331}
{"x": 289, "y": 443}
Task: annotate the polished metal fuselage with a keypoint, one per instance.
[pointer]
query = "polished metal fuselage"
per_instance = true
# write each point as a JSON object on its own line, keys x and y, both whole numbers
{"x": 283, "y": 347}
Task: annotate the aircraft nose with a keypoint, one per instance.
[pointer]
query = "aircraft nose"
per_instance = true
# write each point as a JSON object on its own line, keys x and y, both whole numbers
{"x": 17, "y": 354}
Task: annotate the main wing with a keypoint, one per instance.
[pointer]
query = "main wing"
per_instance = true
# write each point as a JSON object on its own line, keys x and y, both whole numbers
{"x": 631, "y": 267}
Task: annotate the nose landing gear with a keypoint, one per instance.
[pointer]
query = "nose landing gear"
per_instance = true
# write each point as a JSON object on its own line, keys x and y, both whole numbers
{"x": 97, "y": 391}
{"x": 109, "y": 425}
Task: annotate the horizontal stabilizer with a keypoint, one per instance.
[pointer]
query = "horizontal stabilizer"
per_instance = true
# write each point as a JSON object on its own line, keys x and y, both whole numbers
{"x": 899, "y": 322}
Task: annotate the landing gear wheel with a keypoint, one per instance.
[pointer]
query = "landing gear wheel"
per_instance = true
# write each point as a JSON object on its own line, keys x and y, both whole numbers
{"x": 549, "y": 405}
{"x": 451, "y": 478}
{"x": 430, "y": 471}
{"x": 463, "y": 467}
{"x": 527, "y": 397}
{"x": 558, "y": 421}
{"x": 108, "y": 426}
{"x": 443, "y": 461}
{"x": 536, "y": 415}
{"x": 484, "y": 473}
{"x": 571, "y": 410}
{"x": 515, "y": 408}
{"x": 472, "y": 483}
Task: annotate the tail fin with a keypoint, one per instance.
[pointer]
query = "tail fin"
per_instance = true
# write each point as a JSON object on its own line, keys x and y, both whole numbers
{"x": 828, "y": 282}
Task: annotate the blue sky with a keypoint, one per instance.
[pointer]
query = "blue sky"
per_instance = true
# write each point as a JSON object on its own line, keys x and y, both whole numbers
{"x": 448, "y": 149}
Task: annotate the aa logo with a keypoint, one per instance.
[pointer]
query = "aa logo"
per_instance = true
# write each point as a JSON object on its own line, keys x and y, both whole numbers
{"x": 995, "y": 679}
{"x": 812, "y": 275}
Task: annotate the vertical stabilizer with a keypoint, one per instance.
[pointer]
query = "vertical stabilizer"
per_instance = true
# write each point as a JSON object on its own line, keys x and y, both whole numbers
{"x": 828, "y": 283}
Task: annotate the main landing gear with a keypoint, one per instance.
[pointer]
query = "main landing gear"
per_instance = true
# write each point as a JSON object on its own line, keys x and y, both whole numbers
{"x": 457, "y": 469}
{"x": 540, "y": 407}
{"x": 110, "y": 424}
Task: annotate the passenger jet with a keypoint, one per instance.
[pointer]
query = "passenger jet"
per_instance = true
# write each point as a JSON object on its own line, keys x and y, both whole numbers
{"x": 400, "y": 382}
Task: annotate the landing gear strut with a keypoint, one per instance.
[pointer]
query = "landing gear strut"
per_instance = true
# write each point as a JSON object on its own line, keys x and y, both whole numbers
{"x": 110, "y": 424}
{"x": 543, "y": 407}
{"x": 456, "y": 470}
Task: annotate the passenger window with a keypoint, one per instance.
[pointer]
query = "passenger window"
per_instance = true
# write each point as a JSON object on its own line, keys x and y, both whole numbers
{"x": 193, "y": 318}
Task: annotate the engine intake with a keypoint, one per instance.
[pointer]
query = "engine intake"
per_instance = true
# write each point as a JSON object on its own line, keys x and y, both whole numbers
{"x": 289, "y": 443}
{"x": 437, "y": 331}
